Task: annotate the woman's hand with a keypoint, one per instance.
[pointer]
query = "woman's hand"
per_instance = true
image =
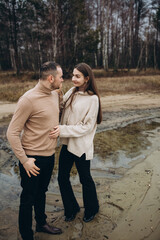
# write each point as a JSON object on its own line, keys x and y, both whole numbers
{"x": 55, "y": 133}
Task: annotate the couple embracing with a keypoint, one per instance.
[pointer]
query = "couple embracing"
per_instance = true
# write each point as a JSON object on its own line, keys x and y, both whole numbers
{"x": 33, "y": 133}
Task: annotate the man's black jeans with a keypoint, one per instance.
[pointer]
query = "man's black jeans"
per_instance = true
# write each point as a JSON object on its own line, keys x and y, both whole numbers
{"x": 70, "y": 203}
{"x": 33, "y": 194}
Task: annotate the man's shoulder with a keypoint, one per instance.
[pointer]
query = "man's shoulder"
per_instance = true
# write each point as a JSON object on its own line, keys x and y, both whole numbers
{"x": 28, "y": 93}
{"x": 27, "y": 96}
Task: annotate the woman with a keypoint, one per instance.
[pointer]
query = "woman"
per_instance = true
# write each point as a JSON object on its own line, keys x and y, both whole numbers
{"x": 81, "y": 113}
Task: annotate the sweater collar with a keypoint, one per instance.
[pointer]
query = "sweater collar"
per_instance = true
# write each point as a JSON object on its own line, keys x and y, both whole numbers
{"x": 83, "y": 93}
{"x": 42, "y": 88}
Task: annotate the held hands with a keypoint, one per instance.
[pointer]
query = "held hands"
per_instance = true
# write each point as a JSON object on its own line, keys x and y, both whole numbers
{"x": 55, "y": 133}
{"x": 30, "y": 167}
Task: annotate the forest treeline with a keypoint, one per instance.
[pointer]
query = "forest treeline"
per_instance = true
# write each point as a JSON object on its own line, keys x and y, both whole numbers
{"x": 104, "y": 33}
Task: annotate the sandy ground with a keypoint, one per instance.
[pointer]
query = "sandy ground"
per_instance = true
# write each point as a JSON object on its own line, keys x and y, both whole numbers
{"x": 130, "y": 206}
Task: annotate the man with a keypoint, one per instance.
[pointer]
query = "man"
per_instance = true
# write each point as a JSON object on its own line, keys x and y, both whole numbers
{"x": 37, "y": 114}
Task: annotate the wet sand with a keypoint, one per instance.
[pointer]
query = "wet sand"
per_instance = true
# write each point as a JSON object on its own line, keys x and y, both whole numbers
{"x": 129, "y": 206}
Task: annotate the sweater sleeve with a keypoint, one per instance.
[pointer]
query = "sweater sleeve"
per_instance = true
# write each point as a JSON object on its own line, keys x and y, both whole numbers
{"x": 83, "y": 127}
{"x": 21, "y": 115}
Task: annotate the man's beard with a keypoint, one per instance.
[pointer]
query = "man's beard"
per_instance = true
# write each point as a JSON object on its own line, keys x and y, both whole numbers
{"x": 53, "y": 86}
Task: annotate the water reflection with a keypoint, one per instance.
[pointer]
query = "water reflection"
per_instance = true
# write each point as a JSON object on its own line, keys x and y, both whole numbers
{"x": 117, "y": 148}
{"x": 10, "y": 189}
{"x": 113, "y": 149}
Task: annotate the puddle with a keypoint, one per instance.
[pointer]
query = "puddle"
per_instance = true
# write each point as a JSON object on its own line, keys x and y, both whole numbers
{"x": 114, "y": 149}
{"x": 118, "y": 148}
{"x": 10, "y": 190}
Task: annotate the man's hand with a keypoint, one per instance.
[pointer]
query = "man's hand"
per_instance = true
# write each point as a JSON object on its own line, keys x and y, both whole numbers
{"x": 30, "y": 167}
{"x": 55, "y": 133}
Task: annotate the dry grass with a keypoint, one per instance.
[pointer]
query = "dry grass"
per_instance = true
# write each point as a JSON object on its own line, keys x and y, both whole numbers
{"x": 11, "y": 87}
{"x": 11, "y": 77}
{"x": 124, "y": 72}
{"x": 13, "y": 91}
{"x": 126, "y": 85}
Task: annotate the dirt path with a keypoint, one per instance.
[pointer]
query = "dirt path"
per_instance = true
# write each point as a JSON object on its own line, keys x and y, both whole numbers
{"x": 130, "y": 101}
{"x": 120, "y": 110}
{"x": 123, "y": 107}
{"x": 6, "y": 109}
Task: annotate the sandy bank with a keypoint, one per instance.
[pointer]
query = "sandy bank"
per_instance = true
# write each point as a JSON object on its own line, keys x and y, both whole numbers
{"x": 129, "y": 207}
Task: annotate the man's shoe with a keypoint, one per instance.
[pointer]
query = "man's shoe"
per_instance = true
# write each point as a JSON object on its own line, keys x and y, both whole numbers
{"x": 48, "y": 229}
{"x": 72, "y": 217}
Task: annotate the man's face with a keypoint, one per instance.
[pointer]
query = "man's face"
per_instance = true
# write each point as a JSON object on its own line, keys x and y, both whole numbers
{"x": 58, "y": 79}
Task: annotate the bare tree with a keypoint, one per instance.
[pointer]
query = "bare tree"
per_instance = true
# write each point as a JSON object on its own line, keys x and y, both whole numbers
{"x": 12, "y": 5}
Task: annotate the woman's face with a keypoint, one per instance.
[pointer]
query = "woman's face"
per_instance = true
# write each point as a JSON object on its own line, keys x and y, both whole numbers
{"x": 78, "y": 79}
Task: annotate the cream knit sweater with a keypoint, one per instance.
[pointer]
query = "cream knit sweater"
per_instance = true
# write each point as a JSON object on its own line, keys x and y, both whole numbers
{"x": 78, "y": 123}
{"x": 37, "y": 113}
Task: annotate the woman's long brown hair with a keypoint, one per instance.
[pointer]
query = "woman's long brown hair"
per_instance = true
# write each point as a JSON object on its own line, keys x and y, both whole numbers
{"x": 90, "y": 87}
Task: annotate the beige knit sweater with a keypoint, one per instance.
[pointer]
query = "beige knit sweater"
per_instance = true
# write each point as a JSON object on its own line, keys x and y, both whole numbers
{"x": 37, "y": 113}
{"x": 79, "y": 123}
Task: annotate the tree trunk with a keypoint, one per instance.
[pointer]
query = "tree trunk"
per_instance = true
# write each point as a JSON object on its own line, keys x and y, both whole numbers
{"x": 54, "y": 28}
{"x": 155, "y": 57}
{"x": 105, "y": 27}
{"x": 140, "y": 58}
{"x": 146, "y": 51}
{"x": 15, "y": 44}
{"x": 13, "y": 64}
{"x": 130, "y": 34}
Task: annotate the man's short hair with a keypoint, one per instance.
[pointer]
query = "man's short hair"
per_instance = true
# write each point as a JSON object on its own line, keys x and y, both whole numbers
{"x": 48, "y": 68}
